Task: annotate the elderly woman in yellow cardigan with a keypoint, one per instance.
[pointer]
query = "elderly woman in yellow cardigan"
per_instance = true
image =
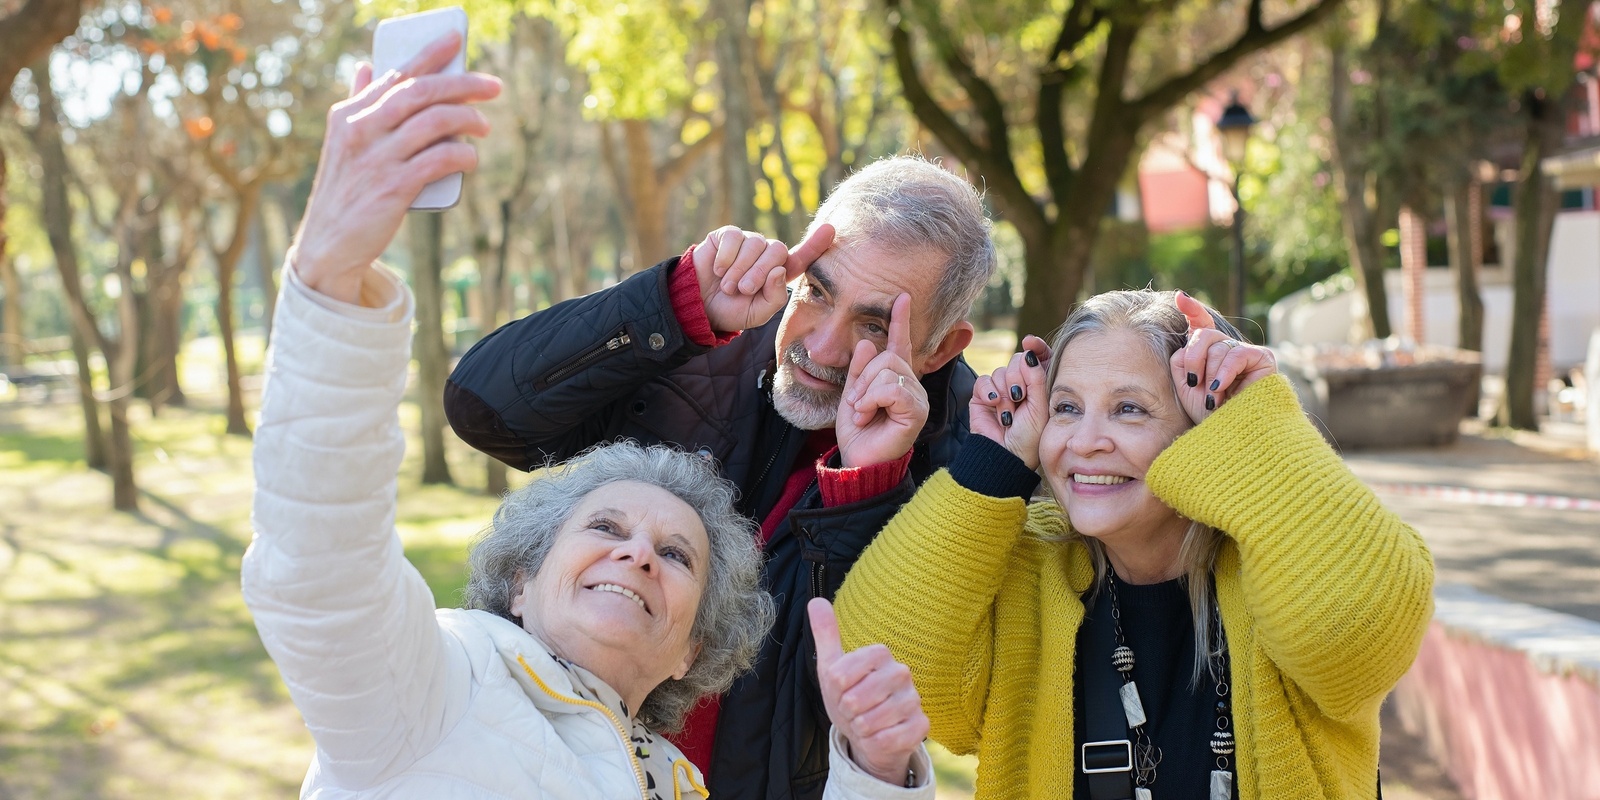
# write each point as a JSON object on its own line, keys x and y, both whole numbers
{"x": 1208, "y": 604}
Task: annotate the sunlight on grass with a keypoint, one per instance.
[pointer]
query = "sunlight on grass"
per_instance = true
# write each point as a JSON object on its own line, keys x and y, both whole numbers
{"x": 990, "y": 350}
{"x": 129, "y": 665}
{"x": 955, "y": 774}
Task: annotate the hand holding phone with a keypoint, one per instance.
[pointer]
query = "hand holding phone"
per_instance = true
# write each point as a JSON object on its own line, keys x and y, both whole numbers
{"x": 395, "y": 43}
{"x": 399, "y": 131}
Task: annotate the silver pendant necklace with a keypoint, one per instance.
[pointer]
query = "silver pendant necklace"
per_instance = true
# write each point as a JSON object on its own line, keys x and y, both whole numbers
{"x": 1146, "y": 756}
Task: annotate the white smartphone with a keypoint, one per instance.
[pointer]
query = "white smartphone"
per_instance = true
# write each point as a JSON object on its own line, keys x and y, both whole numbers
{"x": 397, "y": 41}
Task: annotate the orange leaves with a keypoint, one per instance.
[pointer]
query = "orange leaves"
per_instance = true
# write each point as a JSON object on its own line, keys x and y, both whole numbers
{"x": 199, "y": 128}
{"x": 217, "y": 35}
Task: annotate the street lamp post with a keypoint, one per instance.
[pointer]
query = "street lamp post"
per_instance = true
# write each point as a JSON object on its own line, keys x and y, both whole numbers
{"x": 1234, "y": 126}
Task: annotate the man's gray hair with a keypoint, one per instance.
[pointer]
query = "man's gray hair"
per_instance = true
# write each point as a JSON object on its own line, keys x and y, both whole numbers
{"x": 734, "y": 614}
{"x": 911, "y": 203}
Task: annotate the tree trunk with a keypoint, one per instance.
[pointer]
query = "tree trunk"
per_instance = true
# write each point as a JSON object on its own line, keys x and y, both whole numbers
{"x": 12, "y": 352}
{"x": 1056, "y": 264}
{"x": 649, "y": 222}
{"x": 1535, "y": 207}
{"x": 120, "y": 353}
{"x": 166, "y": 334}
{"x": 427, "y": 264}
{"x": 248, "y": 198}
{"x": 1460, "y": 219}
{"x": 27, "y": 35}
{"x": 1358, "y": 203}
{"x": 492, "y": 256}
{"x": 270, "y": 257}
{"x": 738, "y": 116}
{"x": 124, "y": 490}
{"x": 94, "y": 439}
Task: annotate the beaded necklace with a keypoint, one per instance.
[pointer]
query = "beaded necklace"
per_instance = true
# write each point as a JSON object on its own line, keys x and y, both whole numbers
{"x": 1146, "y": 756}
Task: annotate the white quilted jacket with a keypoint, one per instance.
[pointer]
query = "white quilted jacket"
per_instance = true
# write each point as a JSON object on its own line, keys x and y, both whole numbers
{"x": 404, "y": 700}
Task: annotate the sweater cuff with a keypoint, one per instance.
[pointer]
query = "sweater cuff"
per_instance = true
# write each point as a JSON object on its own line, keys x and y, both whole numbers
{"x": 857, "y": 782}
{"x": 383, "y": 298}
{"x": 844, "y": 485}
{"x": 988, "y": 468}
{"x": 690, "y": 308}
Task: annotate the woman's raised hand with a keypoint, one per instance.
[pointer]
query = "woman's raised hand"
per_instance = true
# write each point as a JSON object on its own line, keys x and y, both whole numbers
{"x": 394, "y": 135}
{"x": 883, "y": 406}
{"x": 870, "y": 698}
{"x": 1012, "y": 406}
{"x": 1212, "y": 367}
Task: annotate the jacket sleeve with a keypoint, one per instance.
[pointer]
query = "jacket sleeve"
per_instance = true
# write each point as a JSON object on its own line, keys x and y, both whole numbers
{"x": 556, "y": 381}
{"x": 926, "y": 587}
{"x": 1340, "y": 589}
{"x": 848, "y": 781}
{"x": 348, "y": 621}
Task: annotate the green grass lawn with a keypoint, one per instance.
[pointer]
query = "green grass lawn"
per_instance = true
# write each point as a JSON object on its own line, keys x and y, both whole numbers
{"x": 129, "y": 666}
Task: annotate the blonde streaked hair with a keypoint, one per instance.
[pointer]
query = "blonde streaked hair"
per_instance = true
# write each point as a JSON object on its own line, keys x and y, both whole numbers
{"x": 1155, "y": 318}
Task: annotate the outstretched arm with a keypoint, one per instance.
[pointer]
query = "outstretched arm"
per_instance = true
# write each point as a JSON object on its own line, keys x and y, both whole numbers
{"x": 555, "y": 382}
{"x": 346, "y": 618}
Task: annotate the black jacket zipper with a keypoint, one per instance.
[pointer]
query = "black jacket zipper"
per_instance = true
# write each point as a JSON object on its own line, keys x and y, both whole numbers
{"x": 584, "y": 361}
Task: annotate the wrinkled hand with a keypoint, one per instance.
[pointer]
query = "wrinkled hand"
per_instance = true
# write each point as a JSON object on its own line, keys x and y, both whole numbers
{"x": 870, "y": 699}
{"x": 742, "y": 274}
{"x": 1212, "y": 368}
{"x": 883, "y": 406}
{"x": 1012, "y": 406}
{"x": 392, "y": 137}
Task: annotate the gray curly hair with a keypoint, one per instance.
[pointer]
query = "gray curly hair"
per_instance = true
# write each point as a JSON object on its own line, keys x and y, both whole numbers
{"x": 735, "y": 613}
{"x": 1155, "y": 318}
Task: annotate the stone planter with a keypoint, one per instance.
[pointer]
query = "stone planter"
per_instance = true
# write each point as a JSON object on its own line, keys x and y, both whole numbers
{"x": 1396, "y": 398}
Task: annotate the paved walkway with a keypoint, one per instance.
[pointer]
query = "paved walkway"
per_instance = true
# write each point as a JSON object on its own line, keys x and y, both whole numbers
{"x": 1515, "y": 515}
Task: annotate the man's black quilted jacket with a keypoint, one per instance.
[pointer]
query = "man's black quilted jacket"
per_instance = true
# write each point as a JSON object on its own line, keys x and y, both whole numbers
{"x": 616, "y": 364}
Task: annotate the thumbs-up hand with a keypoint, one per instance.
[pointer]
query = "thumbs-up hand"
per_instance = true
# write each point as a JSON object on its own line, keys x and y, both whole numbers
{"x": 870, "y": 698}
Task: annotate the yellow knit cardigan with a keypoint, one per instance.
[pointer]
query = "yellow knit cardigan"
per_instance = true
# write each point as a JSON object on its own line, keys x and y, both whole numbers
{"x": 1325, "y": 595}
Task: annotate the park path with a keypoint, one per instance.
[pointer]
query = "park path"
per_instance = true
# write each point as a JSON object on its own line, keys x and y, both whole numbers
{"x": 1513, "y": 515}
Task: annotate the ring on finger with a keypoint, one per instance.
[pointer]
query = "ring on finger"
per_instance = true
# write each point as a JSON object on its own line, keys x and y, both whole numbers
{"x": 900, "y": 381}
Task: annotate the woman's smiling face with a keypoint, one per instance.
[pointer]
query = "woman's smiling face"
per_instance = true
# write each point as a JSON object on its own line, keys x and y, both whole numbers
{"x": 1113, "y": 409}
{"x": 623, "y": 580}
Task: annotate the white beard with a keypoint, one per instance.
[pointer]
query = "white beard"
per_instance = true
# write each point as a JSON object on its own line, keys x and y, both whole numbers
{"x": 804, "y": 407}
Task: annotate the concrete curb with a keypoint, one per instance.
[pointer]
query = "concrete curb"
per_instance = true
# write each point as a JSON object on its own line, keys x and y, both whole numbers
{"x": 1507, "y": 697}
{"x": 1485, "y": 497}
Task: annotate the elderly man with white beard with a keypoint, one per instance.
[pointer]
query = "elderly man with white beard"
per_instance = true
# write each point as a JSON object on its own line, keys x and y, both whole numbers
{"x": 741, "y": 350}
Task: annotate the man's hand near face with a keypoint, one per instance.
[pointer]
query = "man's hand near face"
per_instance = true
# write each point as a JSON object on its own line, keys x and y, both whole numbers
{"x": 884, "y": 405}
{"x": 742, "y": 275}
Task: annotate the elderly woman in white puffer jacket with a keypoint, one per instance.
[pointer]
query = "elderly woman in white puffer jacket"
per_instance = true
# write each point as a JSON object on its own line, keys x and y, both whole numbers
{"x": 605, "y": 598}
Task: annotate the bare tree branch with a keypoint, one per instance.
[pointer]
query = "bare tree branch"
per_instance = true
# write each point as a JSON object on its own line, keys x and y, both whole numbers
{"x": 1078, "y": 22}
{"x": 677, "y": 169}
{"x": 999, "y": 175}
{"x": 1253, "y": 39}
{"x": 990, "y": 109}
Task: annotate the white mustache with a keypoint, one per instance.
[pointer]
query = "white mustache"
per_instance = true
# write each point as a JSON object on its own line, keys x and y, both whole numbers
{"x": 796, "y": 354}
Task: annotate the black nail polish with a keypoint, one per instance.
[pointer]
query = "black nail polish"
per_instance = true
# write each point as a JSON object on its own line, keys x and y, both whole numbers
{"x": 1211, "y": 402}
{"x": 994, "y": 395}
{"x": 1216, "y": 384}
{"x": 1005, "y": 418}
{"x": 1016, "y": 394}
{"x": 1033, "y": 360}
{"x": 1194, "y": 379}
